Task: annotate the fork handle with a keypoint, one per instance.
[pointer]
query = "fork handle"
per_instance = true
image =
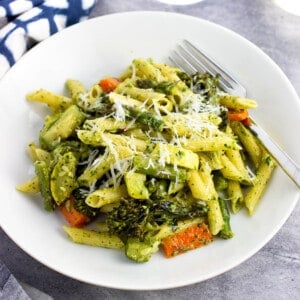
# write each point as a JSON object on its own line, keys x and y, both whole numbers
{"x": 287, "y": 164}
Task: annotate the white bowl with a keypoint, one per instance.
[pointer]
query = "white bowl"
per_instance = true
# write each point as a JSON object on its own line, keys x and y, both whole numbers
{"x": 106, "y": 46}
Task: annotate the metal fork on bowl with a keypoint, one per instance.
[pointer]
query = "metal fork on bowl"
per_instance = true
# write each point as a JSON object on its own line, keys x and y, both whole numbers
{"x": 191, "y": 59}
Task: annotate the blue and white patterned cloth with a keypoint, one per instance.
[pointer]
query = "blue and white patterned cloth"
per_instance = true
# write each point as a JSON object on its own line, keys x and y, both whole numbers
{"x": 26, "y": 22}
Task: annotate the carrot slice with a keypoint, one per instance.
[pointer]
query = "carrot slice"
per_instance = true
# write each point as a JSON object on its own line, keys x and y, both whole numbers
{"x": 108, "y": 84}
{"x": 188, "y": 239}
{"x": 238, "y": 115}
{"x": 73, "y": 216}
{"x": 247, "y": 122}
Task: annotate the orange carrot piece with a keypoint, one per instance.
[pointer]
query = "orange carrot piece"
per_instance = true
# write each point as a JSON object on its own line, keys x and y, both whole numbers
{"x": 108, "y": 84}
{"x": 73, "y": 216}
{"x": 238, "y": 115}
{"x": 247, "y": 122}
{"x": 188, "y": 239}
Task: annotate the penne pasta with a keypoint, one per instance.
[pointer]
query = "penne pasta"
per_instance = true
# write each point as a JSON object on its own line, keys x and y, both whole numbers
{"x": 236, "y": 102}
{"x": 56, "y": 102}
{"x": 153, "y": 156}
{"x": 263, "y": 175}
{"x": 235, "y": 194}
{"x": 249, "y": 142}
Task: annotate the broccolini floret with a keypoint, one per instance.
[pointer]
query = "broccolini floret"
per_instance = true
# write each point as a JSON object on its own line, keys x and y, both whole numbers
{"x": 135, "y": 218}
{"x": 80, "y": 195}
{"x": 145, "y": 118}
{"x": 204, "y": 84}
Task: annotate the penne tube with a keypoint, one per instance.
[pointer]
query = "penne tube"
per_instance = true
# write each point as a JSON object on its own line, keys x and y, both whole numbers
{"x": 109, "y": 139}
{"x": 170, "y": 73}
{"x": 175, "y": 155}
{"x": 236, "y": 102}
{"x": 106, "y": 124}
{"x": 215, "y": 217}
{"x": 30, "y": 186}
{"x": 122, "y": 100}
{"x": 55, "y": 102}
{"x": 102, "y": 165}
{"x": 75, "y": 88}
{"x": 145, "y": 69}
{"x": 135, "y": 183}
{"x": 106, "y": 196}
{"x": 249, "y": 141}
{"x": 93, "y": 238}
{"x": 210, "y": 144}
{"x": 201, "y": 183}
{"x": 236, "y": 158}
{"x": 183, "y": 126}
{"x": 263, "y": 175}
{"x": 143, "y": 95}
{"x": 229, "y": 170}
{"x": 235, "y": 195}
{"x": 213, "y": 158}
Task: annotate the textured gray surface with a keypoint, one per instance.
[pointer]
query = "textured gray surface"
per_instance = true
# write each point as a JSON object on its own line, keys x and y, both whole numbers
{"x": 273, "y": 272}
{"x": 9, "y": 286}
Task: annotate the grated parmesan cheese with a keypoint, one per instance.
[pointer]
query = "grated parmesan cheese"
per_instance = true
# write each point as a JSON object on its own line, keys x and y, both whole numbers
{"x": 120, "y": 112}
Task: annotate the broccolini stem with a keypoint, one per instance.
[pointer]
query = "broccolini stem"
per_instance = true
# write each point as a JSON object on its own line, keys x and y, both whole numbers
{"x": 43, "y": 174}
{"x": 146, "y": 118}
{"x": 226, "y": 232}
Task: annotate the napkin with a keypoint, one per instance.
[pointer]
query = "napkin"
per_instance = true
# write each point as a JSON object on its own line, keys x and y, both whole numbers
{"x": 24, "y": 23}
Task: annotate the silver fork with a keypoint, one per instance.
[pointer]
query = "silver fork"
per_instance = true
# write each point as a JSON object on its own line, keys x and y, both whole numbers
{"x": 191, "y": 59}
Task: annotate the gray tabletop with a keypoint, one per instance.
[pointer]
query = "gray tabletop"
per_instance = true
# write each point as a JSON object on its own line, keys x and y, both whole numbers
{"x": 273, "y": 272}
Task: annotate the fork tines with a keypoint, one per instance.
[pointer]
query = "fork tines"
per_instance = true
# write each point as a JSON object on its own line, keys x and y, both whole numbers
{"x": 192, "y": 59}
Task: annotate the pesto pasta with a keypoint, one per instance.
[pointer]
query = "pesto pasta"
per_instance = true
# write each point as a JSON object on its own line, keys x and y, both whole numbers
{"x": 146, "y": 156}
